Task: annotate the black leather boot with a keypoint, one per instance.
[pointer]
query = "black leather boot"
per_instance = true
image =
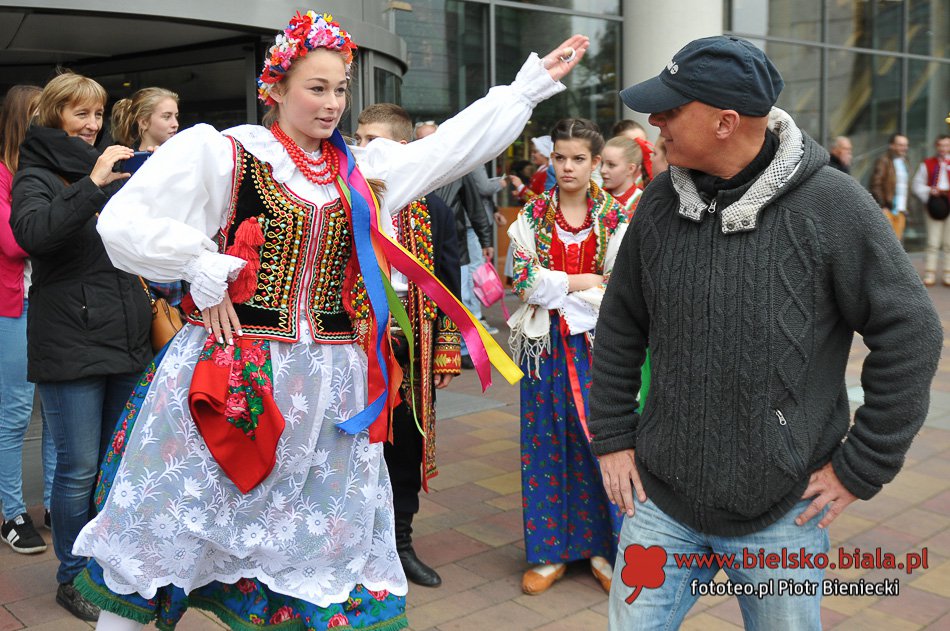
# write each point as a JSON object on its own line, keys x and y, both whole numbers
{"x": 416, "y": 571}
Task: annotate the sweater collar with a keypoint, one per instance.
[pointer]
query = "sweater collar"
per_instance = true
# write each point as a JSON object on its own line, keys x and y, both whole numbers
{"x": 742, "y": 214}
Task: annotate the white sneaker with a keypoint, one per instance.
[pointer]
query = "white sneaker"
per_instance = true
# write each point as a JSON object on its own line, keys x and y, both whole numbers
{"x": 492, "y": 330}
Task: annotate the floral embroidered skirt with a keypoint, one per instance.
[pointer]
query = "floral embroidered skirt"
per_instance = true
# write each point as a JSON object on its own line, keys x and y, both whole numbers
{"x": 567, "y": 515}
{"x": 311, "y": 547}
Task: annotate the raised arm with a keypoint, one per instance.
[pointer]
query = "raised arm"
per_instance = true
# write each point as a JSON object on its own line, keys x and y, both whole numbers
{"x": 474, "y": 136}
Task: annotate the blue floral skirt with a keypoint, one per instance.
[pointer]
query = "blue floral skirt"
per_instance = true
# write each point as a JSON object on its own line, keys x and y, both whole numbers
{"x": 567, "y": 515}
{"x": 247, "y": 604}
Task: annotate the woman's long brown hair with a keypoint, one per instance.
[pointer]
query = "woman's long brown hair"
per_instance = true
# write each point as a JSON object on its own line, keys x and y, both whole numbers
{"x": 18, "y": 108}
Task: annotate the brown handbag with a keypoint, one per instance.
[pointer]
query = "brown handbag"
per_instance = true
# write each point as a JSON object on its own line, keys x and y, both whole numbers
{"x": 166, "y": 319}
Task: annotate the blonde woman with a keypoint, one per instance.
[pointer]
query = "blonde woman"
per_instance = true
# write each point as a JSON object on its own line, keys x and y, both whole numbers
{"x": 146, "y": 120}
{"x": 88, "y": 322}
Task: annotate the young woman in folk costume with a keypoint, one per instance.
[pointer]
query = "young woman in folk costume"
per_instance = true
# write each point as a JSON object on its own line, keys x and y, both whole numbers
{"x": 253, "y": 484}
{"x": 565, "y": 243}
{"x": 626, "y": 170}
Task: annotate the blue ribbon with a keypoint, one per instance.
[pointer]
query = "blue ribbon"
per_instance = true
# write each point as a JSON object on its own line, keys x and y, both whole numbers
{"x": 360, "y": 211}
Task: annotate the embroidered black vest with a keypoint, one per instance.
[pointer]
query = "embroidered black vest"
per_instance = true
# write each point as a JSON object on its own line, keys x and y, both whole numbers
{"x": 304, "y": 260}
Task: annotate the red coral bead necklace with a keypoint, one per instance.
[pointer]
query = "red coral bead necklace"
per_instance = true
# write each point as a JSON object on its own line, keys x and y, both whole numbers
{"x": 319, "y": 170}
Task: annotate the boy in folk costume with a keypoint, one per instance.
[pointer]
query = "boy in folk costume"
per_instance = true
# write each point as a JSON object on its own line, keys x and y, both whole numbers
{"x": 425, "y": 227}
{"x": 252, "y": 484}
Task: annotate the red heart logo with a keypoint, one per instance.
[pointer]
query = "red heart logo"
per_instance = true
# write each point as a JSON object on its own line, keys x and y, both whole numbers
{"x": 643, "y": 567}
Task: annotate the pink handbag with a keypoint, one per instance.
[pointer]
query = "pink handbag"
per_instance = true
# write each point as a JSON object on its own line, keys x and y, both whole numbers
{"x": 488, "y": 287}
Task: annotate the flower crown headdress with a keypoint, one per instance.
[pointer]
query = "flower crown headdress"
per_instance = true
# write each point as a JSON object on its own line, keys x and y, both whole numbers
{"x": 304, "y": 33}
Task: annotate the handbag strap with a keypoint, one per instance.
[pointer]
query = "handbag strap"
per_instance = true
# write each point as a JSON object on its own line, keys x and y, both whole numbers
{"x": 504, "y": 307}
{"x": 147, "y": 292}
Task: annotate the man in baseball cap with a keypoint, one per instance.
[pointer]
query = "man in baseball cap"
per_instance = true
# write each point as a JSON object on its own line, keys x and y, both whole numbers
{"x": 724, "y": 72}
{"x": 748, "y": 268}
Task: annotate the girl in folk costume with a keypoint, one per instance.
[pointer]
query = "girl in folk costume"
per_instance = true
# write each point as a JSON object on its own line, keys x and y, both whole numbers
{"x": 565, "y": 242}
{"x": 253, "y": 483}
{"x": 626, "y": 170}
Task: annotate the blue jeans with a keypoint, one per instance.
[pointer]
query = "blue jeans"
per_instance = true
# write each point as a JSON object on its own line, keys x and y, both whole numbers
{"x": 664, "y": 601}
{"x": 81, "y": 414}
{"x": 476, "y": 258}
{"x": 16, "y": 408}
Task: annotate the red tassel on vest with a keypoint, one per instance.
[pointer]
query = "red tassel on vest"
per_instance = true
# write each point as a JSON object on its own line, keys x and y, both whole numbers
{"x": 248, "y": 240}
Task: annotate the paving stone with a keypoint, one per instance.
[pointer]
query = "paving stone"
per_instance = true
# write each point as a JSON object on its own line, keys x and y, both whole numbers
{"x": 874, "y": 620}
{"x": 443, "y": 610}
{"x": 495, "y": 530}
{"x": 936, "y": 580}
{"x": 585, "y": 620}
{"x": 8, "y": 622}
{"x": 914, "y": 605}
{"x": 504, "y": 484}
{"x": 455, "y": 579}
{"x": 447, "y": 546}
{"x": 507, "y": 615}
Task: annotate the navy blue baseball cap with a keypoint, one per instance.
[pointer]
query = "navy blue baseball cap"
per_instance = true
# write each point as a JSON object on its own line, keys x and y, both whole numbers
{"x": 726, "y": 72}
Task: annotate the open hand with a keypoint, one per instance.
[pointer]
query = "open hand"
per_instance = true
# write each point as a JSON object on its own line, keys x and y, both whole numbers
{"x": 221, "y": 321}
{"x": 555, "y": 62}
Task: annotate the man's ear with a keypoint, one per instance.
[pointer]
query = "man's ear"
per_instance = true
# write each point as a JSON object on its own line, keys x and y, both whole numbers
{"x": 403, "y": 142}
{"x": 727, "y": 124}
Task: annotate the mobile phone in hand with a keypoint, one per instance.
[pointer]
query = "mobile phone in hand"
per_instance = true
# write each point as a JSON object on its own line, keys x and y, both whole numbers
{"x": 132, "y": 164}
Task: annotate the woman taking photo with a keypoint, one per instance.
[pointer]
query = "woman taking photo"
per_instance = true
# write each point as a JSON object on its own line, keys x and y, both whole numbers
{"x": 565, "y": 244}
{"x": 16, "y": 393}
{"x": 253, "y": 484}
{"x": 88, "y": 323}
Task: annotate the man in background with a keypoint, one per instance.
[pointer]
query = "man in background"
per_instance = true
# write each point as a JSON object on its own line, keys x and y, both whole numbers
{"x": 890, "y": 181}
{"x": 841, "y": 154}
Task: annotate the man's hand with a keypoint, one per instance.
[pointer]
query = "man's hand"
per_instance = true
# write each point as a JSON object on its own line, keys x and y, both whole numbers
{"x": 618, "y": 470}
{"x": 826, "y": 488}
{"x": 442, "y": 380}
{"x": 488, "y": 253}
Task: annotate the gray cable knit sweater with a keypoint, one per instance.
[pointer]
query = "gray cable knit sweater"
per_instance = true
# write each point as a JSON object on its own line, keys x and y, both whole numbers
{"x": 749, "y": 306}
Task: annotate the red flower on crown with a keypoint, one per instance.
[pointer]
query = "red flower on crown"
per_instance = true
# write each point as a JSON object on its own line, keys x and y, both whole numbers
{"x": 304, "y": 33}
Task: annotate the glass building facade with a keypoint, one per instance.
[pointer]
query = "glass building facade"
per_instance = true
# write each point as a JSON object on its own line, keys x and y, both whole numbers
{"x": 457, "y": 49}
{"x": 864, "y": 69}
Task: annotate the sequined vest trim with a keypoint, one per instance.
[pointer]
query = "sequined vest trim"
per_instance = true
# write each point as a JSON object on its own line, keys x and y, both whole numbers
{"x": 295, "y": 232}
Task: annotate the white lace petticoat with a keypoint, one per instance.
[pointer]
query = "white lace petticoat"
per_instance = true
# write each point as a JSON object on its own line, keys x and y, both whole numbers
{"x": 319, "y": 524}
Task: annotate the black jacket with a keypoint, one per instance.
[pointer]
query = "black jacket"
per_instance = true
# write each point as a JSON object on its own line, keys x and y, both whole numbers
{"x": 463, "y": 198}
{"x": 445, "y": 245}
{"x": 86, "y": 318}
